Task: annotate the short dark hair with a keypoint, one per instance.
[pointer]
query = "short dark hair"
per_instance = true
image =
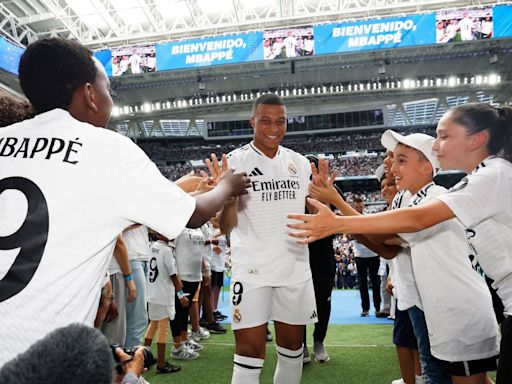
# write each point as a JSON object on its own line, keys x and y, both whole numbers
{"x": 14, "y": 110}
{"x": 357, "y": 199}
{"x": 52, "y": 69}
{"x": 267, "y": 99}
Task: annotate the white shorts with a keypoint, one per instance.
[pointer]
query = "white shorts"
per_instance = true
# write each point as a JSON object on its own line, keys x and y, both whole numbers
{"x": 160, "y": 312}
{"x": 252, "y": 306}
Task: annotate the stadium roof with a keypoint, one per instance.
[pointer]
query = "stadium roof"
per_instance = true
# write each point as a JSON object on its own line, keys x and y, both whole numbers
{"x": 100, "y": 23}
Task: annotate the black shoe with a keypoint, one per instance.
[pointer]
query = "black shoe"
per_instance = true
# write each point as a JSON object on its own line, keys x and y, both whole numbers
{"x": 381, "y": 314}
{"x": 202, "y": 322}
{"x": 215, "y": 328}
{"x": 168, "y": 368}
{"x": 219, "y": 316}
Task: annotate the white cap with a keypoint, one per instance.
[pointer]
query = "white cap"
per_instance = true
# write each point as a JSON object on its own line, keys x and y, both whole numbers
{"x": 379, "y": 172}
{"x": 418, "y": 141}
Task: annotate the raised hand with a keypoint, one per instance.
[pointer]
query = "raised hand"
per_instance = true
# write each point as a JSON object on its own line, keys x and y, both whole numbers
{"x": 321, "y": 175}
{"x": 314, "y": 227}
{"x": 215, "y": 169}
{"x": 325, "y": 194}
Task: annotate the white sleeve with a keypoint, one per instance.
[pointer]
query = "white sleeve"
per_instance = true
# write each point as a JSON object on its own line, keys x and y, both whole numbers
{"x": 169, "y": 262}
{"x": 147, "y": 197}
{"x": 478, "y": 196}
{"x": 233, "y": 161}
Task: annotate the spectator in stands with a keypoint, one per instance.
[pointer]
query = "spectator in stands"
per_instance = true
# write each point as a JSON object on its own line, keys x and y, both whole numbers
{"x": 367, "y": 267}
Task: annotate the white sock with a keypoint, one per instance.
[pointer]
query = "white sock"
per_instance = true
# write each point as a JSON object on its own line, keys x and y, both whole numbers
{"x": 289, "y": 366}
{"x": 246, "y": 370}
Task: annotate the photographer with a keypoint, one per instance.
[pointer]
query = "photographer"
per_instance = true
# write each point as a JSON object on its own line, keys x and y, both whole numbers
{"x": 133, "y": 367}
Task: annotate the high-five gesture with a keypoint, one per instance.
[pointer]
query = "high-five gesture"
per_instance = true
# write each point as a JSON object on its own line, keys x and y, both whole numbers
{"x": 216, "y": 170}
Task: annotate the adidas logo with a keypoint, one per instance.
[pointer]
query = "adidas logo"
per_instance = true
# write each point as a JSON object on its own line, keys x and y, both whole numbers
{"x": 256, "y": 172}
{"x": 313, "y": 316}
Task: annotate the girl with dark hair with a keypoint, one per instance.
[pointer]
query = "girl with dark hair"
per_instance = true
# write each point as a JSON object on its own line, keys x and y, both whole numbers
{"x": 476, "y": 138}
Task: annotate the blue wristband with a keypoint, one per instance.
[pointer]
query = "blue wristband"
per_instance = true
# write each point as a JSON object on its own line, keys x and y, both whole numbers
{"x": 128, "y": 277}
{"x": 180, "y": 294}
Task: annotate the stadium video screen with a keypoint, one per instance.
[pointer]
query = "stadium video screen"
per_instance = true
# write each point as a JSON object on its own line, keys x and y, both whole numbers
{"x": 288, "y": 43}
{"x": 464, "y": 25}
{"x": 133, "y": 60}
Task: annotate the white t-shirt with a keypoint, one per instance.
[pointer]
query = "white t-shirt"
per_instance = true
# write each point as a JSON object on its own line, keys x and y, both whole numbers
{"x": 137, "y": 243}
{"x": 207, "y": 250}
{"x": 486, "y": 27}
{"x": 482, "y": 201}
{"x": 406, "y": 291}
{"x": 190, "y": 248}
{"x": 466, "y": 29}
{"x": 135, "y": 63}
{"x": 96, "y": 184}
{"x": 309, "y": 45}
{"x": 361, "y": 250}
{"x": 219, "y": 260}
{"x": 451, "y": 31}
{"x": 289, "y": 43}
{"x": 262, "y": 252}
{"x": 161, "y": 267}
{"x": 457, "y": 303}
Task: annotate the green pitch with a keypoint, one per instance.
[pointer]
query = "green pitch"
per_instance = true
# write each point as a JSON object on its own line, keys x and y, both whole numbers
{"x": 359, "y": 354}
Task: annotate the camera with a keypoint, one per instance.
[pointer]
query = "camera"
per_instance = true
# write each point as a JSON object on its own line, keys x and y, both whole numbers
{"x": 149, "y": 360}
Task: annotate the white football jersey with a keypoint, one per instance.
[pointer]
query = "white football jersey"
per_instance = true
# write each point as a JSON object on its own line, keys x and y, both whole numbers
{"x": 67, "y": 189}
{"x": 137, "y": 243}
{"x": 261, "y": 249}
{"x": 161, "y": 267}
{"x": 457, "y": 303}
{"x": 190, "y": 249}
{"x": 482, "y": 201}
{"x": 219, "y": 260}
{"x": 401, "y": 266}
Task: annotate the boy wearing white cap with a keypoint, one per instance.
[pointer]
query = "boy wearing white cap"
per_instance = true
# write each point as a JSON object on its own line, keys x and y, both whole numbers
{"x": 453, "y": 338}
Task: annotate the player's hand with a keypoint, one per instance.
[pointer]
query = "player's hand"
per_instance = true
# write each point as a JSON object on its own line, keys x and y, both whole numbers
{"x": 217, "y": 250}
{"x": 314, "y": 227}
{"x": 215, "y": 169}
{"x": 238, "y": 182}
{"x": 132, "y": 290}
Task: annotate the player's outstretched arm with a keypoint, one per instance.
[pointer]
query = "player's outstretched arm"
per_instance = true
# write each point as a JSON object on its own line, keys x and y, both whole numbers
{"x": 326, "y": 223}
{"x": 208, "y": 204}
{"x": 228, "y": 217}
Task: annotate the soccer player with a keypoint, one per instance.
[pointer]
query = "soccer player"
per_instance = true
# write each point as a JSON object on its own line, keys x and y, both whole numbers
{"x": 290, "y": 45}
{"x": 271, "y": 277}
{"x": 69, "y": 190}
{"x": 476, "y": 138}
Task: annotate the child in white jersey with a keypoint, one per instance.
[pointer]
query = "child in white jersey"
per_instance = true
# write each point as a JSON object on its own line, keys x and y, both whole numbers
{"x": 162, "y": 283}
{"x": 476, "y": 138}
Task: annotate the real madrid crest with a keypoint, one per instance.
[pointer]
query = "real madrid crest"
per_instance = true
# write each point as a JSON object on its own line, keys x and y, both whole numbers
{"x": 292, "y": 169}
{"x": 237, "y": 317}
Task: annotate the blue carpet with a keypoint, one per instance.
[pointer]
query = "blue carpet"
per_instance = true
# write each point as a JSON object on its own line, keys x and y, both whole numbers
{"x": 346, "y": 307}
